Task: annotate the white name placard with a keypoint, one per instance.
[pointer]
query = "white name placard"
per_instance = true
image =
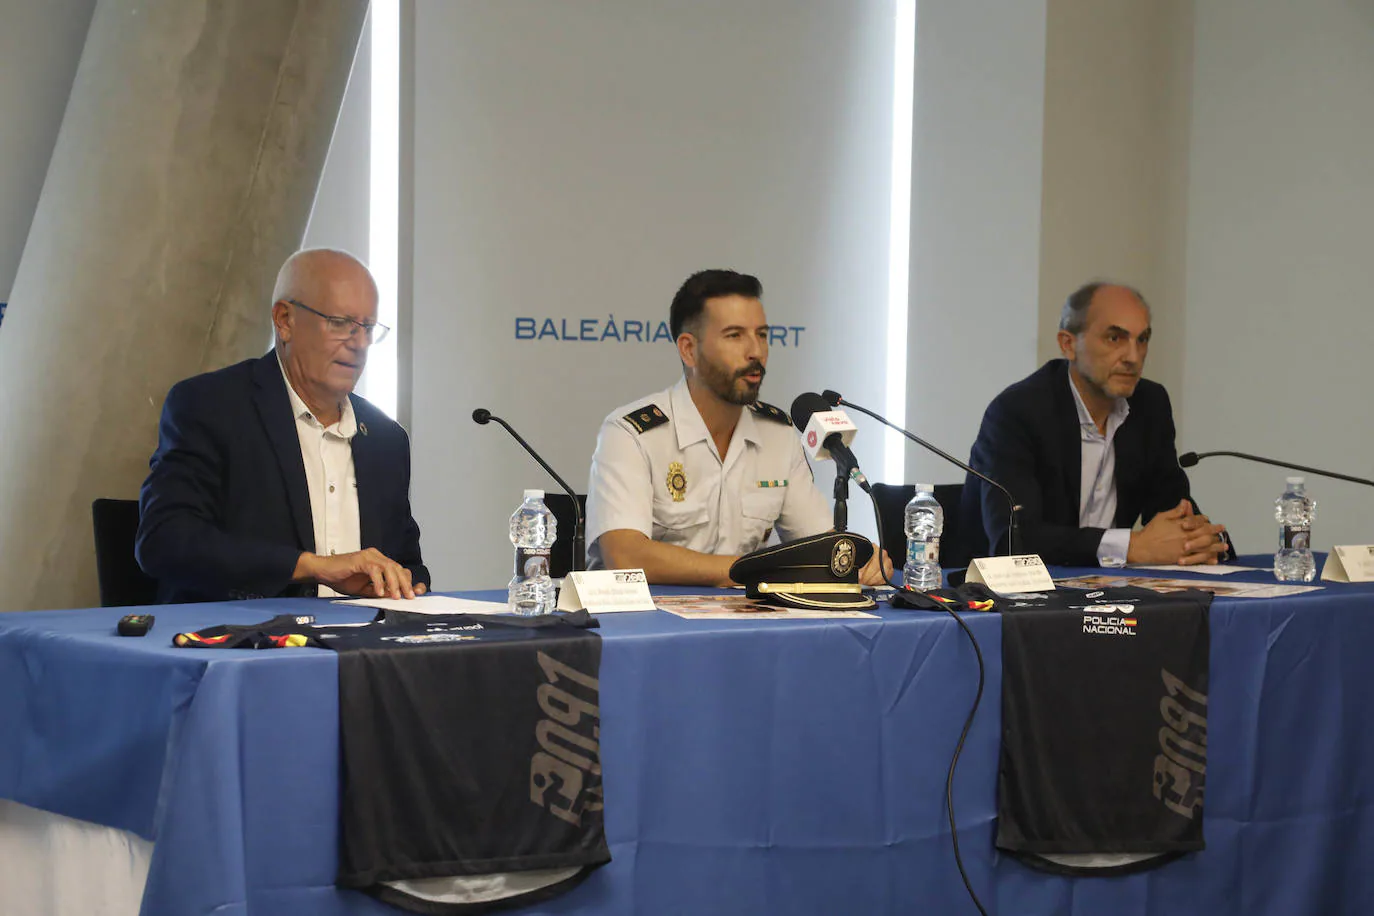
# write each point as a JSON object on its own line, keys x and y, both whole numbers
{"x": 1009, "y": 575}
{"x": 605, "y": 591}
{"x": 1351, "y": 563}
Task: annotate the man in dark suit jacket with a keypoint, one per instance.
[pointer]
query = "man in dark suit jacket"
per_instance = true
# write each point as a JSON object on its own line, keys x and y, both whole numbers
{"x": 1086, "y": 446}
{"x": 270, "y": 476}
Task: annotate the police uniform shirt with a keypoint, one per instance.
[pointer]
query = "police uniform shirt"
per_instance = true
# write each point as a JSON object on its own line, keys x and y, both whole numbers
{"x": 657, "y": 471}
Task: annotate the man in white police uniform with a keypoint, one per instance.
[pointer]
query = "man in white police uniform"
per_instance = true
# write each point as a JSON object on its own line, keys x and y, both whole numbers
{"x": 686, "y": 480}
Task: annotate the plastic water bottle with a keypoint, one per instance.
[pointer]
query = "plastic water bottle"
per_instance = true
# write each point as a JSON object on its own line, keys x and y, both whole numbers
{"x": 925, "y": 521}
{"x": 1294, "y": 511}
{"x": 533, "y": 529}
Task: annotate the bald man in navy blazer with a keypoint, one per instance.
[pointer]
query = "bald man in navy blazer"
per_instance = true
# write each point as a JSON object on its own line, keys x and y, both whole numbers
{"x": 271, "y": 478}
{"x": 1086, "y": 446}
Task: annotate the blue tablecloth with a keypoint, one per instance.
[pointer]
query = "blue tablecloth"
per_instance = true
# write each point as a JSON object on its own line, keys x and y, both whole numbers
{"x": 750, "y": 767}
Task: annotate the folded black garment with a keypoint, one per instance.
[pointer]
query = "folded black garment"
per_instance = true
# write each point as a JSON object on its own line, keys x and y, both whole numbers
{"x": 971, "y": 596}
{"x": 281, "y": 632}
{"x": 295, "y": 630}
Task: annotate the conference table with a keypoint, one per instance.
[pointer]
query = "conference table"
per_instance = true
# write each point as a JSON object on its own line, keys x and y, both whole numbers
{"x": 779, "y": 766}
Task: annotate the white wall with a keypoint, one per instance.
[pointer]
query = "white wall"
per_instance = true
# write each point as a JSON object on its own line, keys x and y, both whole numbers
{"x": 579, "y": 161}
{"x": 1117, "y": 92}
{"x": 40, "y": 46}
{"x": 1280, "y": 229}
{"x": 975, "y": 229}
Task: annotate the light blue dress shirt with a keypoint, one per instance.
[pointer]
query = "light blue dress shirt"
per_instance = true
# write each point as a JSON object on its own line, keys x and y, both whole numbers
{"x": 1097, "y": 483}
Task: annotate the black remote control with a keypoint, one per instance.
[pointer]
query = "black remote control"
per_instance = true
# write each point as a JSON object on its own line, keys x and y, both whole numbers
{"x": 135, "y": 624}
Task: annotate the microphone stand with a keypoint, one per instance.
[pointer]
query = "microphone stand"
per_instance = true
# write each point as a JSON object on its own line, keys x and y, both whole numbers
{"x": 483, "y": 416}
{"x": 841, "y": 495}
{"x": 1188, "y": 459}
{"x": 1013, "y": 526}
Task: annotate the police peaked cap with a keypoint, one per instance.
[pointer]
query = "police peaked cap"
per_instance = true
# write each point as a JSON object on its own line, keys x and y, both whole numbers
{"x": 816, "y": 573}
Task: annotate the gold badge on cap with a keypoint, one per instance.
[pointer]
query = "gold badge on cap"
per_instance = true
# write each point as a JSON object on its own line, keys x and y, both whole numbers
{"x": 677, "y": 481}
{"x": 842, "y": 557}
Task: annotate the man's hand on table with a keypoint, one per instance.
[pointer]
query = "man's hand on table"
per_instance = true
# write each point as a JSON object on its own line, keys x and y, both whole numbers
{"x": 1178, "y": 536}
{"x": 367, "y": 573}
{"x": 872, "y": 573}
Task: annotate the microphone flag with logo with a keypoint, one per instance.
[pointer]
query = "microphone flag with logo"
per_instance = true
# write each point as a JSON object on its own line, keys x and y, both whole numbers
{"x": 826, "y": 434}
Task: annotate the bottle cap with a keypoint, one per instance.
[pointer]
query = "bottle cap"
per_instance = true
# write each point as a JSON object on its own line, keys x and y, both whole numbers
{"x": 1296, "y": 480}
{"x": 925, "y": 488}
{"x": 534, "y": 494}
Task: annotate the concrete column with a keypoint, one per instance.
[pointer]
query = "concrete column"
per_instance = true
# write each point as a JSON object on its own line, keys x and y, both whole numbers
{"x": 40, "y": 47}
{"x": 183, "y": 175}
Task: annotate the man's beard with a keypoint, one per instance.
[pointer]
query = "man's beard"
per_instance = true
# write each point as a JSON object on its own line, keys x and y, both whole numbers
{"x": 731, "y": 386}
{"x": 1113, "y": 385}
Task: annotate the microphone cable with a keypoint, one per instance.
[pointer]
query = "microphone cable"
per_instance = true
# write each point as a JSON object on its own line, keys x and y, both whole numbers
{"x": 968, "y": 722}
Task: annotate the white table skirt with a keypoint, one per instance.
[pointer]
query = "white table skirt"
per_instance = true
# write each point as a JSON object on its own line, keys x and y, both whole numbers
{"x": 52, "y": 865}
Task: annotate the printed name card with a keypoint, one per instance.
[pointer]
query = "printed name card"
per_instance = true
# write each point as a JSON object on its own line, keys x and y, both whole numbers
{"x": 1009, "y": 575}
{"x": 604, "y": 591}
{"x": 1352, "y": 563}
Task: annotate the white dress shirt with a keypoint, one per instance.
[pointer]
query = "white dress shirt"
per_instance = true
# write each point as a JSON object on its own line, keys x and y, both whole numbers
{"x": 328, "y": 455}
{"x": 671, "y": 483}
{"x": 1097, "y": 483}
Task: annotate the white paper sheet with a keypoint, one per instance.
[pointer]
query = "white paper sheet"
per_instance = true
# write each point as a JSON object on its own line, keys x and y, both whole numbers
{"x": 1221, "y": 569}
{"x": 430, "y": 604}
{"x": 1220, "y": 589}
{"x": 731, "y": 607}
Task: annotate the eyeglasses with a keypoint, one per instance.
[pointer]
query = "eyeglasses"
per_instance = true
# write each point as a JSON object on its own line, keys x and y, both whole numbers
{"x": 341, "y": 327}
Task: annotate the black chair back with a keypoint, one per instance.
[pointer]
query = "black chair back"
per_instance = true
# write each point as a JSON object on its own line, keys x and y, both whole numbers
{"x": 561, "y": 562}
{"x": 122, "y": 582}
{"x": 892, "y": 499}
{"x": 954, "y": 547}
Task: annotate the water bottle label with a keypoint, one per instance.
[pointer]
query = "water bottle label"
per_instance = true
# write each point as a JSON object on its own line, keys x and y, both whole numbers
{"x": 1296, "y": 537}
{"x": 917, "y": 552}
{"x": 532, "y": 561}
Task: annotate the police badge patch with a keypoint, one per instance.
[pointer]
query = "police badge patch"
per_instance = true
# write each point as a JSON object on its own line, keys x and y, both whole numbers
{"x": 842, "y": 557}
{"x": 677, "y": 482}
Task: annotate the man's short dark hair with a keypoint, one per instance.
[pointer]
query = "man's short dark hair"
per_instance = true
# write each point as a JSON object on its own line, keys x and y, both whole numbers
{"x": 1074, "y": 317}
{"x": 708, "y": 284}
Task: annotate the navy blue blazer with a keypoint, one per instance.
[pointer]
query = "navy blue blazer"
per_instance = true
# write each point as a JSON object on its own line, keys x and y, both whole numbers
{"x": 1030, "y": 441}
{"x": 225, "y": 511}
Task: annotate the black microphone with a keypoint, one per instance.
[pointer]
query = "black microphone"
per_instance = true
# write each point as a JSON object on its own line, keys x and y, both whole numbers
{"x": 846, "y": 465}
{"x": 1188, "y": 459}
{"x": 833, "y": 397}
{"x": 481, "y": 416}
{"x": 810, "y": 403}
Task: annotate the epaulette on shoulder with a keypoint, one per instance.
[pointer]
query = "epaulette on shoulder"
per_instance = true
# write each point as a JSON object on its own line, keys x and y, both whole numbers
{"x": 769, "y": 412}
{"x": 646, "y": 418}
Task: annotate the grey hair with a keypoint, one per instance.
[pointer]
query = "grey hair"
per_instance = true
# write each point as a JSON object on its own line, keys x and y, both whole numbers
{"x": 1074, "y": 317}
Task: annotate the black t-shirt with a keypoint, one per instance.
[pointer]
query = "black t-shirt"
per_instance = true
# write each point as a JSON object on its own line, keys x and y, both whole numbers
{"x": 470, "y": 745}
{"x": 1104, "y": 723}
